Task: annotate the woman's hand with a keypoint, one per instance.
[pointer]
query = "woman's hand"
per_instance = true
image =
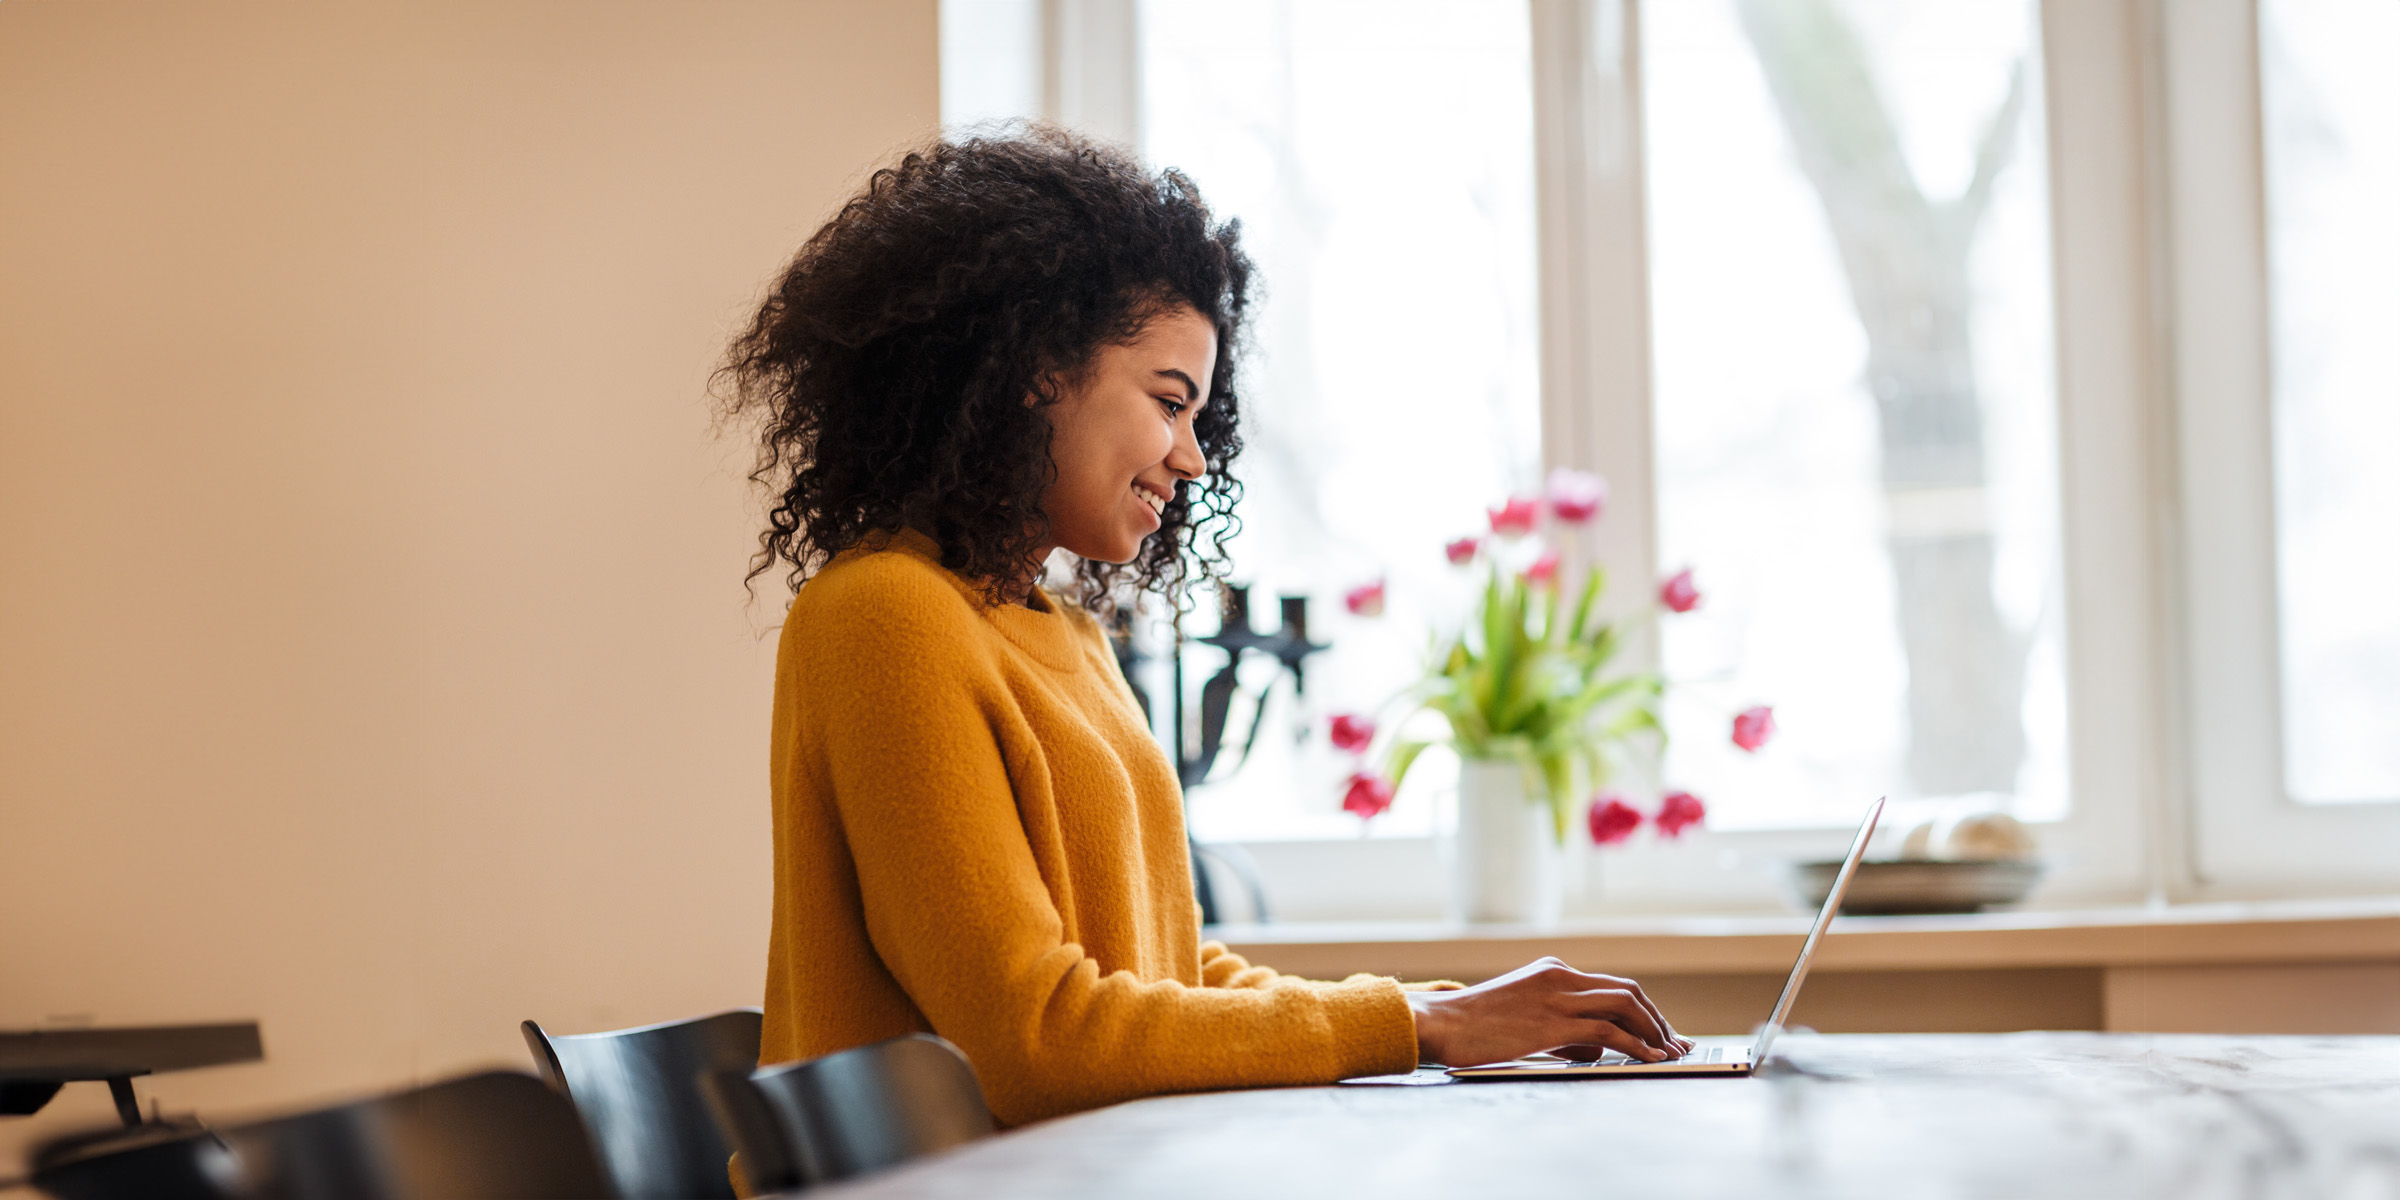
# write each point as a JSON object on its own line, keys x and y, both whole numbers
{"x": 1543, "y": 1005}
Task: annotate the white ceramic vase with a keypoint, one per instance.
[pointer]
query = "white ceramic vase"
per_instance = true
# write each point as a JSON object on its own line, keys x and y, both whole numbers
{"x": 1504, "y": 861}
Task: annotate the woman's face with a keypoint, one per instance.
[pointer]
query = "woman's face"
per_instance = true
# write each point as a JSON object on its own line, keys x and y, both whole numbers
{"x": 1121, "y": 437}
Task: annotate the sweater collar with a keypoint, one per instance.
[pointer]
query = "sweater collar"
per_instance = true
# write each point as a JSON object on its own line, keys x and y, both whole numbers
{"x": 1049, "y": 635}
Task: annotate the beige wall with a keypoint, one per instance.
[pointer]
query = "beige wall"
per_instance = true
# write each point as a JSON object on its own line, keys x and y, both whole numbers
{"x": 373, "y": 655}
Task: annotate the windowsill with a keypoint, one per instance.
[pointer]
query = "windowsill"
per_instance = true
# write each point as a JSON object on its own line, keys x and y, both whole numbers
{"x": 2279, "y": 931}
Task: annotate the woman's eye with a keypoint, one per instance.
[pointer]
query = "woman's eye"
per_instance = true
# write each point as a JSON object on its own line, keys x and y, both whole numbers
{"x": 1174, "y": 407}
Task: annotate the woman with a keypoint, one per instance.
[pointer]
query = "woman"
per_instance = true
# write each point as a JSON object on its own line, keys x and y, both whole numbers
{"x": 1004, "y": 348}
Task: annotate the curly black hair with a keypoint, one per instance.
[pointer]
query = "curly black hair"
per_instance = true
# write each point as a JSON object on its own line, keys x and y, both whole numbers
{"x": 890, "y": 365}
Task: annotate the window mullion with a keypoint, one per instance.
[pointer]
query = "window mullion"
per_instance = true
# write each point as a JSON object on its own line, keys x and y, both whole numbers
{"x": 1595, "y": 282}
{"x": 2115, "y": 484}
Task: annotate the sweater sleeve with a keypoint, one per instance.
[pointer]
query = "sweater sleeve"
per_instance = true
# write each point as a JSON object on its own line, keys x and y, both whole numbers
{"x": 958, "y": 911}
{"x": 1221, "y": 967}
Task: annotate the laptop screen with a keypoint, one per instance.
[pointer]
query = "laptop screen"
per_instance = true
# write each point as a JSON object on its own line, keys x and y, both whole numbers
{"x": 1808, "y": 949}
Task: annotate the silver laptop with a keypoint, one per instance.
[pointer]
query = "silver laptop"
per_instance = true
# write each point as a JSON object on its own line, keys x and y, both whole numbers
{"x": 1703, "y": 1060}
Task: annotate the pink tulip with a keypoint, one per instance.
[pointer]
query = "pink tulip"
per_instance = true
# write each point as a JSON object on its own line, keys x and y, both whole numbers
{"x": 1516, "y": 518}
{"x": 1462, "y": 551}
{"x": 1544, "y": 570}
{"x": 1351, "y": 732}
{"x": 1679, "y": 811}
{"x": 1367, "y": 796}
{"x": 1753, "y": 726}
{"x": 1611, "y": 820}
{"x": 1577, "y": 496}
{"x": 1678, "y": 593}
{"x": 1365, "y": 600}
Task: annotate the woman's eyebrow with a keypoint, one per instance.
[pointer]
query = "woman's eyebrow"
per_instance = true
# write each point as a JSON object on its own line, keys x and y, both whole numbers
{"x": 1191, "y": 391}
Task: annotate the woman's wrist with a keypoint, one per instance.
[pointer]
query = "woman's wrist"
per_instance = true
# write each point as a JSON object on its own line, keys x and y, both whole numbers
{"x": 1427, "y": 1010}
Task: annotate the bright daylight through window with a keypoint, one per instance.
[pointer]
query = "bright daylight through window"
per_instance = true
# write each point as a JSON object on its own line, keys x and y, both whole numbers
{"x": 1855, "y": 415}
{"x": 2331, "y": 109}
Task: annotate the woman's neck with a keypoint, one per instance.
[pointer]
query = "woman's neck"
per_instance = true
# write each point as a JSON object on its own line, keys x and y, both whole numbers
{"x": 1029, "y": 592}
{"x": 1026, "y": 588}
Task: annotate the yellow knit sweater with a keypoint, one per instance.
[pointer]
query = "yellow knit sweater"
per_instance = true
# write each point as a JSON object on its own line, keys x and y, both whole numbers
{"x": 976, "y": 836}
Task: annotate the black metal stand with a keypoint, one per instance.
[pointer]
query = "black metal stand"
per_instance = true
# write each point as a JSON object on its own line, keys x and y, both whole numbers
{"x": 1235, "y": 636}
{"x": 120, "y": 1089}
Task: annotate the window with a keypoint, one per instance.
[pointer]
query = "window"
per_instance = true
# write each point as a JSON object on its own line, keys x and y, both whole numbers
{"x": 1854, "y": 405}
{"x": 2332, "y": 123}
{"x": 2277, "y": 144}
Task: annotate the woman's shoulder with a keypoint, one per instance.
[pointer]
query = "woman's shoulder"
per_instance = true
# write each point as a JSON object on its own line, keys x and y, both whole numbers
{"x": 881, "y": 594}
{"x": 1085, "y": 624}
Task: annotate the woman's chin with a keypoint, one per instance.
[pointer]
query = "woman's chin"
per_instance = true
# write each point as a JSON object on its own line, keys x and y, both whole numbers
{"x": 1116, "y": 550}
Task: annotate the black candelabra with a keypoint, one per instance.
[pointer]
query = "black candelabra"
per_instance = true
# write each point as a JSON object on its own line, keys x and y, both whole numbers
{"x": 1235, "y": 637}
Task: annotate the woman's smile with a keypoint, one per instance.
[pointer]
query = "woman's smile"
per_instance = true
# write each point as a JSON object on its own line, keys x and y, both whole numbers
{"x": 1155, "y": 501}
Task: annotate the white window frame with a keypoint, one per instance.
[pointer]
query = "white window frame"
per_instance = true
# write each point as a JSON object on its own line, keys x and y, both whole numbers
{"x": 2248, "y": 836}
{"x": 2166, "y": 504}
{"x": 1089, "y": 73}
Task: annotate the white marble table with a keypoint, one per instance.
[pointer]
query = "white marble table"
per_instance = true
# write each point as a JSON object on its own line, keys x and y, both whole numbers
{"x": 2189, "y": 1117}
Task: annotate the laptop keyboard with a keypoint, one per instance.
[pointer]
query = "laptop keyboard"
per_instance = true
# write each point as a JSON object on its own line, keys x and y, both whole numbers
{"x": 1699, "y": 1054}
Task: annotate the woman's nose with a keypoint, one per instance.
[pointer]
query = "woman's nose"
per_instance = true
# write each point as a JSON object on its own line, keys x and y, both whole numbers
{"x": 1184, "y": 457}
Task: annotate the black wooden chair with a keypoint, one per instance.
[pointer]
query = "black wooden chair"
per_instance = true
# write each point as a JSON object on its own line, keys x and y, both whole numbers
{"x": 156, "y": 1160}
{"x": 495, "y": 1136}
{"x": 639, "y": 1093}
{"x": 501, "y": 1134}
{"x": 846, "y": 1114}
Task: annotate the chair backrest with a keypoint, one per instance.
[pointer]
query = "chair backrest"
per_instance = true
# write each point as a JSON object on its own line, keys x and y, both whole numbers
{"x": 481, "y": 1137}
{"x": 849, "y": 1113}
{"x": 639, "y": 1093}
